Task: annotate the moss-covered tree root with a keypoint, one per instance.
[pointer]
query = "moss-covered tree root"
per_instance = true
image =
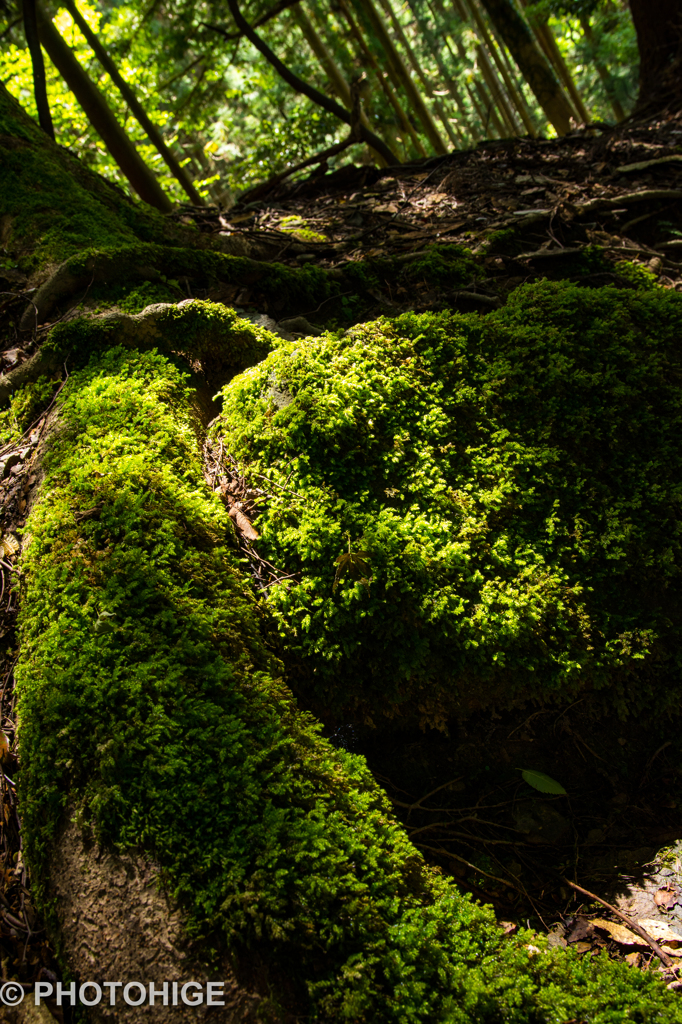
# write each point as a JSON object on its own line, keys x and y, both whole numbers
{"x": 152, "y": 713}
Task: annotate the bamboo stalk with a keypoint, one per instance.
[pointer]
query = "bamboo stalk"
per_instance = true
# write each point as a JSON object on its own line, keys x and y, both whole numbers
{"x": 137, "y": 110}
{"x": 545, "y": 38}
{"x": 101, "y": 116}
{"x": 402, "y": 78}
{"x": 445, "y": 74}
{"x": 384, "y": 85}
{"x": 491, "y": 114}
{"x": 602, "y": 70}
{"x": 494, "y": 86}
{"x": 416, "y": 65}
{"x": 489, "y": 76}
{"x": 329, "y": 25}
{"x": 487, "y": 111}
{"x": 515, "y": 95}
{"x": 329, "y": 65}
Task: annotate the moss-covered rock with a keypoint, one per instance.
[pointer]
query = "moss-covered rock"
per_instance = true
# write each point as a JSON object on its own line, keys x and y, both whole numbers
{"x": 512, "y": 483}
{"x": 149, "y": 704}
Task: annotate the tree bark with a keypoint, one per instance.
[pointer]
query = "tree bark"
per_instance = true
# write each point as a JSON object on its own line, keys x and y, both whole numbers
{"x": 658, "y": 24}
{"x": 101, "y": 117}
{"x": 38, "y": 65}
{"x": 532, "y": 63}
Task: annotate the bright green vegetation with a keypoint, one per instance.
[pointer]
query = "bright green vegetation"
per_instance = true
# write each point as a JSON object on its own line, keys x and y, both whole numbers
{"x": 513, "y": 484}
{"x": 25, "y": 406}
{"x": 150, "y": 706}
{"x": 228, "y": 114}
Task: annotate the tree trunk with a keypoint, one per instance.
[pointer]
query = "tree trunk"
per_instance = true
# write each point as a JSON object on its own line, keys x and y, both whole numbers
{"x": 658, "y": 24}
{"x": 38, "y": 65}
{"x": 401, "y": 77}
{"x": 532, "y": 63}
{"x": 139, "y": 113}
{"x": 101, "y": 117}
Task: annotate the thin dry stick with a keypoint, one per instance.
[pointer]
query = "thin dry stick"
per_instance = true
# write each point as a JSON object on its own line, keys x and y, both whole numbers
{"x": 412, "y": 807}
{"x": 455, "y": 856}
{"x": 634, "y": 926}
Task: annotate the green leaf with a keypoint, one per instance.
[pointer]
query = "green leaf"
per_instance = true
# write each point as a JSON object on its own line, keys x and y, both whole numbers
{"x": 538, "y": 780}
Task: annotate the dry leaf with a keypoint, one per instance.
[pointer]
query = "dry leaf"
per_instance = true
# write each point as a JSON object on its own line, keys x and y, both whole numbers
{"x": 662, "y": 932}
{"x": 4, "y": 746}
{"x": 619, "y": 933}
{"x": 633, "y": 959}
{"x": 582, "y": 929}
{"x": 666, "y": 897}
{"x": 244, "y": 525}
{"x": 9, "y": 545}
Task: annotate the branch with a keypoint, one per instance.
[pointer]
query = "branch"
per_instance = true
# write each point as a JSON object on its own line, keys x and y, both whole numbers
{"x": 269, "y": 14}
{"x": 634, "y": 926}
{"x": 139, "y": 113}
{"x": 260, "y": 190}
{"x": 298, "y": 85}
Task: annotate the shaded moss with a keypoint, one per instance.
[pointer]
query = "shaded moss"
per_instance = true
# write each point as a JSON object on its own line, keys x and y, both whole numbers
{"x": 54, "y": 204}
{"x": 513, "y": 481}
{"x": 149, "y": 703}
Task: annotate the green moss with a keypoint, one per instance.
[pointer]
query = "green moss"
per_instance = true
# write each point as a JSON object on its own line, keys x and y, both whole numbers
{"x": 25, "y": 406}
{"x": 54, "y": 206}
{"x": 506, "y": 242}
{"x": 637, "y": 274}
{"x": 213, "y": 333}
{"x": 298, "y": 227}
{"x": 149, "y": 705}
{"x": 443, "y": 266}
{"x": 146, "y": 294}
{"x": 446, "y": 266}
{"x": 514, "y": 480}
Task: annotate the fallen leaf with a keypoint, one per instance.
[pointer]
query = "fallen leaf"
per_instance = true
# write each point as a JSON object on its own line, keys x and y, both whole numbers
{"x": 662, "y": 932}
{"x": 582, "y": 929}
{"x": 619, "y": 933}
{"x": 9, "y": 545}
{"x": 583, "y": 947}
{"x": 4, "y": 746}
{"x": 542, "y": 782}
{"x": 556, "y": 937}
{"x": 666, "y": 897}
{"x": 633, "y": 959}
{"x": 508, "y": 927}
{"x": 244, "y": 524}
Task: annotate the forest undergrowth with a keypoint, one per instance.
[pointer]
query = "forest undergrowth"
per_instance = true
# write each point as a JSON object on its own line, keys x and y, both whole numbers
{"x": 456, "y": 241}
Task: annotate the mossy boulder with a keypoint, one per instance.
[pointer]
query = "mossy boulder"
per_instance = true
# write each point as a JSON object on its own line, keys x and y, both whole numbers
{"x": 480, "y": 510}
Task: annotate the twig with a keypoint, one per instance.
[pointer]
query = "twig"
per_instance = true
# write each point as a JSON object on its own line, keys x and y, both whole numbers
{"x": 632, "y": 925}
{"x": 651, "y": 760}
{"x": 455, "y": 856}
{"x": 414, "y": 806}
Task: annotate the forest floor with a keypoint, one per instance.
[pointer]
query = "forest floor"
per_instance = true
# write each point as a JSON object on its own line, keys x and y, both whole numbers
{"x": 600, "y": 206}
{"x": 524, "y": 207}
